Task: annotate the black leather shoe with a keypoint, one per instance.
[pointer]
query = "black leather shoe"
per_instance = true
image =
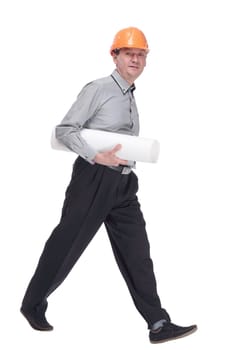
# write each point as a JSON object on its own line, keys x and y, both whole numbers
{"x": 36, "y": 319}
{"x": 170, "y": 331}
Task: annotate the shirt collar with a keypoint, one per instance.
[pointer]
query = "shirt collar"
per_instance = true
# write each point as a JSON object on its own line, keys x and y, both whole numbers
{"x": 122, "y": 83}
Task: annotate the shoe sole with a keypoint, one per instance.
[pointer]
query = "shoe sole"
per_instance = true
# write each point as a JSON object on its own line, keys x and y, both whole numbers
{"x": 174, "y": 338}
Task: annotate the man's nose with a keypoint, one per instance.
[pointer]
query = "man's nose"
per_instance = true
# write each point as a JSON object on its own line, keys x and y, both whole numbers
{"x": 134, "y": 57}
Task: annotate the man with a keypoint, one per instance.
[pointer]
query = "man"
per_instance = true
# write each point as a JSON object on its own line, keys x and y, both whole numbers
{"x": 103, "y": 189}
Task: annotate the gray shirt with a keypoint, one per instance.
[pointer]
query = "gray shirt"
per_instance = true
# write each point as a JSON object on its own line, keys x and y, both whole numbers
{"x": 103, "y": 104}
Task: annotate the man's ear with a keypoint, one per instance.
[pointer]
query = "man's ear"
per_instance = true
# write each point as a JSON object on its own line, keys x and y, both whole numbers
{"x": 114, "y": 57}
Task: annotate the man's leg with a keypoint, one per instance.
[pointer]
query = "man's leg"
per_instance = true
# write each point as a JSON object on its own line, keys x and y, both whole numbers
{"x": 126, "y": 230}
{"x": 88, "y": 200}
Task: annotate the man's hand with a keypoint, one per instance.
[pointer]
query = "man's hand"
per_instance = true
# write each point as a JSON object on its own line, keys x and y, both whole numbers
{"x": 109, "y": 158}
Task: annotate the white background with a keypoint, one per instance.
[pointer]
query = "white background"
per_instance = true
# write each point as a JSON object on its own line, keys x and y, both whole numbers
{"x": 49, "y": 50}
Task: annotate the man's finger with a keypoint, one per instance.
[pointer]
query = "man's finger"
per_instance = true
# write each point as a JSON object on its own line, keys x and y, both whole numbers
{"x": 116, "y": 149}
{"x": 122, "y": 161}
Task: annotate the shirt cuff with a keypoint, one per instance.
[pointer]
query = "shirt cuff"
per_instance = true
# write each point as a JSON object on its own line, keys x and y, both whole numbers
{"x": 89, "y": 156}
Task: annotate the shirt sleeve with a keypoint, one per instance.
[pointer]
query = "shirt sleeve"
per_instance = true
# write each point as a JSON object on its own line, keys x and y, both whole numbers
{"x": 83, "y": 109}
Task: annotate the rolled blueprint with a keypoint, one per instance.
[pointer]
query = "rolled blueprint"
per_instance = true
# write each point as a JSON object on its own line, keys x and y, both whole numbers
{"x": 133, "y": 148}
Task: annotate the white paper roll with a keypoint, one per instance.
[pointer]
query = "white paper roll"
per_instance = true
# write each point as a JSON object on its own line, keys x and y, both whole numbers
{"x": 133, "y": 147}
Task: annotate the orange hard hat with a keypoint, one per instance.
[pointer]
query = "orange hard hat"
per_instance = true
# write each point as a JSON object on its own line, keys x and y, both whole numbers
{"x": 130, "y": 37}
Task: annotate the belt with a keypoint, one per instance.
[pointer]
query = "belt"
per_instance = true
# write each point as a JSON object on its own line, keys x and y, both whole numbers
{"x": 125, "y": 170}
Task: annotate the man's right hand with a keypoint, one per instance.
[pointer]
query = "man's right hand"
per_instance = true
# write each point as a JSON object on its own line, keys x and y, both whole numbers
{"x": 109, "y": 158}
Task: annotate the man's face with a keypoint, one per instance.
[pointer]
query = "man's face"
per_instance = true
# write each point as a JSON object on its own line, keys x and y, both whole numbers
{"x": 130, "y": 63}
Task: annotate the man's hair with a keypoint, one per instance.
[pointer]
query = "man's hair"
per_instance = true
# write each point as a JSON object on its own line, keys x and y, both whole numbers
{"x": 116, "y": 51}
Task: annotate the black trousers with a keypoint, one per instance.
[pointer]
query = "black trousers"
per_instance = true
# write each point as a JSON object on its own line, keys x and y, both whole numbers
{"x": 96, "y": 195}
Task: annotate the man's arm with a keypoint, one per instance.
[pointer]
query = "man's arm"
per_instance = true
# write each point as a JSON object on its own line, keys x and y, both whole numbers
{"x": 68, "y": 131}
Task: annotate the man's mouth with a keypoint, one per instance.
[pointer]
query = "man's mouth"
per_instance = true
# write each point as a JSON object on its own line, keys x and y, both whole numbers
{"x": 134, "y": 67}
